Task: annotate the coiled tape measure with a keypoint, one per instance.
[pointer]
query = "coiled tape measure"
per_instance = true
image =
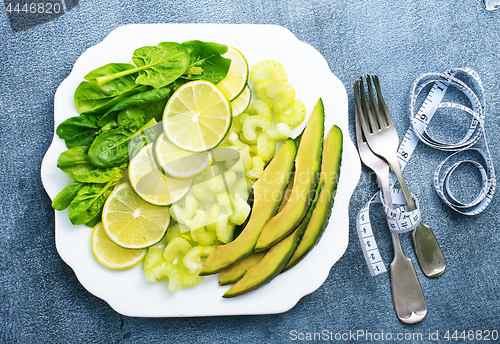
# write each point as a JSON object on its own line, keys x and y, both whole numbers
{"x": 491, "y": 5}
{"x": 400, "y": 220}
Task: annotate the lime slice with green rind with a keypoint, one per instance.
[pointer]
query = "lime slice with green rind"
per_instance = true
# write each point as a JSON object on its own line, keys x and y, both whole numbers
{"x": 110, "y": 254}
{"x": 132, "y": 223}
{"x": 177, "y": 163}
{"x": 240, "y": 104}
{"x": 236, "y": 79}
{"x": 197, "y": 116}
{"x": 150, "y": 184}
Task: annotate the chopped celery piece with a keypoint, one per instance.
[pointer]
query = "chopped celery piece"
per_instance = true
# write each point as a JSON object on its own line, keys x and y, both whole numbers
{"x": 293, "y": 118}
{"x": 166, "y": 270}
{"x": 281, "y": 133}
{"x": 265, "y": 67}
{"x": 193, "y": 257}
{"x": 176, "y": 249}
{"x": 225, "y": 229}
{"x": 241, "y": 210}
{"x": 199, "y": 231}
{"x": 189, "y": 279}
{"x": 153, "y": 256}
{"x": 282, "y": 94}
{"x": 254, "y": 124}
{"x": 266, "y": 147}
{"x": 184, "y": 209}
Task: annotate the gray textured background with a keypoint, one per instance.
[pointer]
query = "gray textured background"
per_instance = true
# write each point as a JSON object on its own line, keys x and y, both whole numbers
{"x": 41, "y": 299}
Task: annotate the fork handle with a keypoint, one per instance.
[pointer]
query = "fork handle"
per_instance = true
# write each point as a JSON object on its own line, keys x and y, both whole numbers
{"x": 383, "y": 180}
{"x": 429, "y": 254}
{"x": 407, "y": 294}
{"x": 396, "y": 168}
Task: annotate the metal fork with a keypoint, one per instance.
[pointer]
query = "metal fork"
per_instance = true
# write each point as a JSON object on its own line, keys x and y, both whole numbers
{"x": 407, "y": 294}
{"x": 383, "y": 140}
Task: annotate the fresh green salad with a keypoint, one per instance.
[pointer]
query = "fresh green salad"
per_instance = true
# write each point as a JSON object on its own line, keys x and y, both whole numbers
{"x": 165, "y": 151}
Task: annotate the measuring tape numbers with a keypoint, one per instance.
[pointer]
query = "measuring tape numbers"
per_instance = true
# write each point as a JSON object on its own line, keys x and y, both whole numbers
{"x": 468, "y": 82}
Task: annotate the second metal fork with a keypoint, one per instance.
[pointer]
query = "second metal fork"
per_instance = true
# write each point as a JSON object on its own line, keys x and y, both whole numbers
{"x": 382, "y": 138}
{"x": 407, "y": 294}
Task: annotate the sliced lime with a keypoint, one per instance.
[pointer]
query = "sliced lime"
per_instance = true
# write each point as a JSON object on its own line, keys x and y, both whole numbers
{"x": 236, "y": 79}
{"x": 132, "y": 223}
{"x": 150, "y": 184}
{"x": 197, "y": 116}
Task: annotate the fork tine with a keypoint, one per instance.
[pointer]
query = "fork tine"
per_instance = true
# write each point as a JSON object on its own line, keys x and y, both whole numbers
{"x": 381, "y": 102}
{"x": 360, "y": 137}
{"x": 366, "y": 114}
{"x": 357, "y": 111}
{"x": 373, "y": 104}
{"x": 360, "y": 101}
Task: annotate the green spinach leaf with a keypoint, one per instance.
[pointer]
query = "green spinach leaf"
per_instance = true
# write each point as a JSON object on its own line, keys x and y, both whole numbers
{"x": 157, "y": 66}
{"x": 98, "y": 112}
{"x": 147, "y": 136}
{"x": 136, "y": 101}
{"x": 76, "y": 164}
{"x": 156, "y": 109}
{"x": 111, "y": 147}
{"x": 110, "y": 125}
{"x": 89, "y": 201}
{"x": 64, "y": 198}
{"x": 112, "y": 68}
{"x": 95, "y": 220}
{"x": 78, "y": 131}
{"x": 90, "y": 96}
{"x": 208, "y": 57}
{"x": 131, "y": 114}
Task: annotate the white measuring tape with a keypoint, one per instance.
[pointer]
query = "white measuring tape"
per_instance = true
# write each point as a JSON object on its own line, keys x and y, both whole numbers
{"x": 466, "y": 81}
{"x": 491, "y": 5}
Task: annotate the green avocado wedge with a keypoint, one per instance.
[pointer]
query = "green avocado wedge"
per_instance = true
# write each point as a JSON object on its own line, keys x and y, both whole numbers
{"x": 268, "y": 192}
{"x": 236, "y": 271}
{"x": 307, "y": 166}
{"x": 274, "y": 260}
{"x": 330, "y": 173}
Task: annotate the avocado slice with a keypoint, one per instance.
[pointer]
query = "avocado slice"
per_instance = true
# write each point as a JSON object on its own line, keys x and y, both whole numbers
{"x": 287, "y": 194}
{"x": 307, "y": 166}
{"x": 268, "y": 192}
{"x": 236, "y": 271}
{"x": 274, "y": 260}
{"x": 330, "y": 173}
